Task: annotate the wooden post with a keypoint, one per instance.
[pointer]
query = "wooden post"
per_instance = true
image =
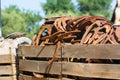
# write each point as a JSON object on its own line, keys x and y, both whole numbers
{"x": 13, "y": 62}
{"x": 0, "y": 22}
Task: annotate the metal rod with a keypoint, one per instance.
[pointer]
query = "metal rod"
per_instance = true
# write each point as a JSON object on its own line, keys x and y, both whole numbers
{"x": 0, "y": 21}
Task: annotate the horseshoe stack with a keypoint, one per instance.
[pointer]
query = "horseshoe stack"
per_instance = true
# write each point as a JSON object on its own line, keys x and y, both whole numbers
{"x": 83, "y": 30}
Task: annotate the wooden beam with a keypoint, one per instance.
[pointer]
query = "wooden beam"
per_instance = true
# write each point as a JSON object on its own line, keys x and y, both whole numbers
{"x": 111, "y": 71}
{"x": 37, "y": 51}
{"x": 5, "y": 58}
{"x": 39, "y": 66}
{"x": 7, "y": 67}
{"x": 4, "y": 70}
{"x": 104, "y": 51}
{"x": 6, "y": 78}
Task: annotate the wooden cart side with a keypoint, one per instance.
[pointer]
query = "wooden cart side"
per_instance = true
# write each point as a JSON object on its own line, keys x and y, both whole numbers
{"x": 76, "y": 51}
{"x": 37, "y": 51}
{"x": 104, "y": 51}
{"x": 70, "y": 68}
{"x": 8, "y": 66}
{"x": 109, "y": 71}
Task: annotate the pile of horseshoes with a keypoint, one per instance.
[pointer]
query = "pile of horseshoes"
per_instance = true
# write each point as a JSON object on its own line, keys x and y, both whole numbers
{"x": 82, "y": 30}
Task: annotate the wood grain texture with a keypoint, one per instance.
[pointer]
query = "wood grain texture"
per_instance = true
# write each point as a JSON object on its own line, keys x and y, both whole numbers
{"x": 69, "y": 68}
{"x": 107, "y": 51}
{"x": 37, "y": 51}
{"x": 5, "y": 58}
{"x": 6, "y": 70}
{"x": 7, "y": 78}
{"x": 98, "y": 51}
{"x": 104, "y": 51}
{"x": 7, "y": 67}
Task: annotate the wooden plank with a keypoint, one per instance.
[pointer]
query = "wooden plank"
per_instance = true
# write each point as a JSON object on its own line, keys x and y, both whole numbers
{"x": 13, "y": 60}
{"x": 111, "y": 71}
{"x": 5, "y": 58}
{"x": 104, "y": 51}
{"x": 39, "y": 66}
{"x": 4, "y": 50}
{"x": 37, "y": 51}
{"x": 4, "y": 70}
{"x": 27, "y": 77}
{"x": 99, "y": 51}
{"x": 6, "y": 78}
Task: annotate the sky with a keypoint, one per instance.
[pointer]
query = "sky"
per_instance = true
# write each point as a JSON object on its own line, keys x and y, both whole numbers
{"x": 29, "y": 4}
{"x": 34, "y": 5}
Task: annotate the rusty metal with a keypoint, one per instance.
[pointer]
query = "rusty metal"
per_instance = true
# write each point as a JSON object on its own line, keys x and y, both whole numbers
{"x": 64, "y": 25}
{"x": 55, "y": 53}
{"x": 38, "y": 75}
{"x": 83, "y": 30}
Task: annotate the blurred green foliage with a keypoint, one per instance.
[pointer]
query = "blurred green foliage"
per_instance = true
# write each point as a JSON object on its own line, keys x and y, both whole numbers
{"x": 15, "y": 20}
{"x": 95, "y": 7}
{"x": 59, "y": 8}
{"x": 84, "y": 7}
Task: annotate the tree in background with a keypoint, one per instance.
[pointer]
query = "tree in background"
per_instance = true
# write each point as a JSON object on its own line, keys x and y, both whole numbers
{"x": 15, "y": 20}
{"x": 95, "y": 7}
{"x": 59, "y": 8}
{"x": 84, "y": 7}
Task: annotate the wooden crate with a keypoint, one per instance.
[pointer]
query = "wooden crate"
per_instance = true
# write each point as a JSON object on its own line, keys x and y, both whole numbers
{"x": 35, "y": 59}
{"x": 7, "y": 66}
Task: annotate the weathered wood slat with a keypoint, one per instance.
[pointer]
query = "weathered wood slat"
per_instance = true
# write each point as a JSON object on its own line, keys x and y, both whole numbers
{"x": 36, "y": 51}
{"x": 13, "y": 63}
{"x": 110, "y": 71}
{"x": 7, "y": 63}
{"x": 7, "y": 78}
{"x": 7, "y": 67}
{"x": 39, "y": 66}
{"x": 4, "y": 50}
{"x": 78, "y": 69}
{"x": 104, "y": 51}
{"x": 6, "y": 70}
{"x": 27, "y": 77}
{"x": 5, "y": 58}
